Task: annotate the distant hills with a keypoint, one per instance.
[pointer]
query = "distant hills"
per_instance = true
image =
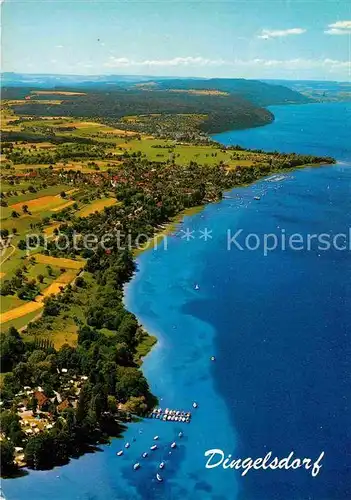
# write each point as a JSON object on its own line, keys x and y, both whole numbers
{"x": 260, "y": 92}
{"x": 257, "y": 92}
{"x": 325, "y": 91}
{"x": 225, "y": 103}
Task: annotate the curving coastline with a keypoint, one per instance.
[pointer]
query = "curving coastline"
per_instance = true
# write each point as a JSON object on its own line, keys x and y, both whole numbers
{"x": 164, "y": 371}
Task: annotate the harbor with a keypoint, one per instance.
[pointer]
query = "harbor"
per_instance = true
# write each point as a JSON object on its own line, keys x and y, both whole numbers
{"x": 169, "y": 415}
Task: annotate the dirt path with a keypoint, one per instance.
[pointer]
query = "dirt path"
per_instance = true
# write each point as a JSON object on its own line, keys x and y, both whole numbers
{"x": 9, "y": 255}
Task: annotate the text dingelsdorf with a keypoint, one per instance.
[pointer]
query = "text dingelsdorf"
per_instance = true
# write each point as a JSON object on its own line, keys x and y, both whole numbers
{"x": 217, "y": 459}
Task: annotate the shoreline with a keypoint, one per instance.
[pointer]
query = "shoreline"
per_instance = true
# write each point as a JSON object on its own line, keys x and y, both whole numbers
{"x": 119, "y": 479}
{"x": 166, "y": 228}
{"x": 170, "y": 226}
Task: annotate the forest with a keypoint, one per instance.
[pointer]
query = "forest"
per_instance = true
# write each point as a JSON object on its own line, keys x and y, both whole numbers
{"x": 257, "y": 92}
{"x": 222, "y": 112}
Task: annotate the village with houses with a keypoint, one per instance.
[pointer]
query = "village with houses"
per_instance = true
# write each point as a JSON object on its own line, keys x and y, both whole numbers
{"x": 38, "y": 412}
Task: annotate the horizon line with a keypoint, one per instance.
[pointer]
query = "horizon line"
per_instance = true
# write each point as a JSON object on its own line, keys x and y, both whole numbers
{"x": 170, "y": 77}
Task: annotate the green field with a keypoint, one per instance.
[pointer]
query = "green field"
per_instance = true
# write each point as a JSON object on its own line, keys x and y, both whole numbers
{"x": 164, "y": 150}
{"x": 8, "y": 302}
{"x": 22, "y": 198}
{"x": 20, "y": 322}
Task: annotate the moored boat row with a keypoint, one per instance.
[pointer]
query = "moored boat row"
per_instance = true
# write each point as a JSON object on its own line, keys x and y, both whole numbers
{"x": 169, "y": 415}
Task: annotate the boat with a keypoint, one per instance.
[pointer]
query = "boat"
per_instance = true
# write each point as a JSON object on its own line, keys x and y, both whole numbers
{"x": 159, "y": 478}
{"x": 180, "y": 434}
{"x": 127, "y": 445}
{"x": 257, "y": 198}
{"x": 155, "y": 438}
{"x": 174, "y": 444}
{"x": 136, "y": 466}
{"x": 119, "y": 453}
{"x": 195, "y": 405}
{"x": 145, "y": 454}
{"x": 197, "y": 287}
{"x": 153, "y": 447}
{"x": 213, "y": 358}
{"x": 162, "y": 465}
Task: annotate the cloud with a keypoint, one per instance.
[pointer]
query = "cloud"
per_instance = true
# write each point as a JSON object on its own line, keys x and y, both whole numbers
{"x": 339, "y": 28}
{"x": 267, "y": 34}
{"x": 300, "y": 64}
{"x": 122, "y": 62}
{"x": 85, "y": 65}
{"x": 330, "y": 65}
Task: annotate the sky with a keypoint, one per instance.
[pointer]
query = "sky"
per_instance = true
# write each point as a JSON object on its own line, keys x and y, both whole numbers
{"x": 282, "y": 39}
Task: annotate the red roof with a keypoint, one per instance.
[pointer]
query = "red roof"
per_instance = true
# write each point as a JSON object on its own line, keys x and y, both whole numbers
{"x": 41, "y": 398}
{"x": 64, "y": 405}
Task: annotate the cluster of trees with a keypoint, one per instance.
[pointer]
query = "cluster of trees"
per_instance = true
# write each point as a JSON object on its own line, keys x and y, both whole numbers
{"x": 13, "y": 193}
{"x": 26, "y": 289}
{"x": 66, "y": 151}
{"x": 42, "y": 134}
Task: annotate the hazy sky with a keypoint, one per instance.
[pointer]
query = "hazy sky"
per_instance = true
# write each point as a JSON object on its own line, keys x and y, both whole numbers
{"x": 300, "y": 39}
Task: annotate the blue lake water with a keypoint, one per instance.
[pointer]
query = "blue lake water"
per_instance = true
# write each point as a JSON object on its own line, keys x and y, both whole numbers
{"x": 279, "y": 327}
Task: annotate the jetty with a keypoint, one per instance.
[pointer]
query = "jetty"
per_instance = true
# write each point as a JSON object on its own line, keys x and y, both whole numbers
{"x": 169, "y": 415}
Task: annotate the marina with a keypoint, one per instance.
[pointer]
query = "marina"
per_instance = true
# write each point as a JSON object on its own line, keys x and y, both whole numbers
{"x": 169, "y": 415}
